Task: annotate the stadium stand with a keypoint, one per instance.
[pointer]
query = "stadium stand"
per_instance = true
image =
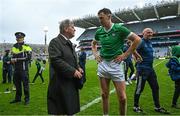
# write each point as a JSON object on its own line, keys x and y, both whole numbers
{"x": 163, "y": 18}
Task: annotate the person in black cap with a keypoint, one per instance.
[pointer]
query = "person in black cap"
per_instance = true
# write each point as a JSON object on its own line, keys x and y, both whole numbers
{"x": 19, "y": 35}
{"x": 21, "y": 55}
{"x": 7, "y": 67}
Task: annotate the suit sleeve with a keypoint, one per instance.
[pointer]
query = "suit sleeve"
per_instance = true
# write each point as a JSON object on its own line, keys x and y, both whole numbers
{"x": 57, "y": 61}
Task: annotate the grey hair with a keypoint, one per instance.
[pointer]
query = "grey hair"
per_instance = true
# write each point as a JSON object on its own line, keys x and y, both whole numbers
{"x": 64, "y": 24}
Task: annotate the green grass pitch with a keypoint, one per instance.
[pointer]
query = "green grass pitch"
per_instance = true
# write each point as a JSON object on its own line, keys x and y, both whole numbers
{"x": 90, "y": 91}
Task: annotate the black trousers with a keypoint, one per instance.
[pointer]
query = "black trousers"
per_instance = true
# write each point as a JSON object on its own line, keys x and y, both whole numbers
{"x": 148, "y": 75}
{"x": 176, "y": 92}
{"x": 7, "y": 73}
{"x": 83, "y": 66}
{"x": 38, "y": 73}
{"x": 129, "y": 65}
{"x": 21, "y": 77}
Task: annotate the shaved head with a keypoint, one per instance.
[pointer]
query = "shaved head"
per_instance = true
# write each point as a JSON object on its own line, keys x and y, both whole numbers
{"x": 147, "y": 29}
{"x": 147, "y": 33}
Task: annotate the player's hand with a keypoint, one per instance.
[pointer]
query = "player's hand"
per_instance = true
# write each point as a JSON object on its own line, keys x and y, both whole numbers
{"x": 138, "y": 58}
{"x": 77, "y": 74}
{"x": 119, "y": 58}
{"x": 98, "y": 58}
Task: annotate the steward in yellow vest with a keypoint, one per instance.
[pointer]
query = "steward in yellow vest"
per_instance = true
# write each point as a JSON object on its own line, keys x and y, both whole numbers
{"x": 21, "y": 55}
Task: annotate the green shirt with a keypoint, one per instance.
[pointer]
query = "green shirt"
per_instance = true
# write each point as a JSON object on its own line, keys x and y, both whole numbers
{"x": 112, "y": 41}
{"x": 176, "y": 50}
{"x": 38, "y": 65}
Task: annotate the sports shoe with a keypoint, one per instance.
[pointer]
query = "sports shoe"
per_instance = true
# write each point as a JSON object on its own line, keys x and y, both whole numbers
{"x": 127, "y": 83}
{"x": 161, "y": 110}
{"x": 137, "y": 109}
{"x": 133, "y": 77}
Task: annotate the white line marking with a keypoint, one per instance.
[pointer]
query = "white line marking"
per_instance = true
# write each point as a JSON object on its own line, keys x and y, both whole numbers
{"x": 158, "y": 63}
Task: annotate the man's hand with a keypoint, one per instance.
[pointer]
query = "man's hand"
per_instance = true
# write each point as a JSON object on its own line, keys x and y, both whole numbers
{"x": 94, "y": 51}
{"x": 77, "y": 74}
{"x": 139, "y": 59}
{"x": 13, "y": 60}
{"x": 80, "y": 70}
{"x": 137, "y": 56}
{"x": 120, "y": 58}
{"x": 98, "y": 58}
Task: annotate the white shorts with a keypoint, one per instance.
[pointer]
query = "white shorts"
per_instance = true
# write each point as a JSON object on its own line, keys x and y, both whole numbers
{"x": 111, "y": 70}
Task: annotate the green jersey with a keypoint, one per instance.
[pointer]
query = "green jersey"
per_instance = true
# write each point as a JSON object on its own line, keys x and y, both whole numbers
{"x": 112, "y": 41}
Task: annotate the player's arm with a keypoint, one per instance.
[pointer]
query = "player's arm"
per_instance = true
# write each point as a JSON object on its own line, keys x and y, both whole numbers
{"x": 136, "y": 40}
{"x": 94, "y": 50}
{"x": 94, "y": 47}
{"x": 137, "y": 56}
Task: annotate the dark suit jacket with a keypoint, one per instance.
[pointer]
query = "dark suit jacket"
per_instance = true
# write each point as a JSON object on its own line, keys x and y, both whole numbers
{"x": 63, "y": 94}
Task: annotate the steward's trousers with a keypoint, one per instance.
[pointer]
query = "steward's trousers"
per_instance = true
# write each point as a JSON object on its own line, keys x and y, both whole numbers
{"x": 21, "y": 77}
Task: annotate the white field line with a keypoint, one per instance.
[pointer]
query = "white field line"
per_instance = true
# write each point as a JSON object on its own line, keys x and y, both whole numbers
{"x": 98, "y": 99}
{"x": 158, "y": 63}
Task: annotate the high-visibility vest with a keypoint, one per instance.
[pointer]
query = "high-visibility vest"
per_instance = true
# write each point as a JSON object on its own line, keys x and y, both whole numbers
{"x": 25, "y": 48}
{"x": 22, "y": 56}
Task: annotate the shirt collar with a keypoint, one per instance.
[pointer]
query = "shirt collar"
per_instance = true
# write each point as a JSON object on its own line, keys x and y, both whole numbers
{"x": 65, "y": 37}
{"x": 109, "y": 28}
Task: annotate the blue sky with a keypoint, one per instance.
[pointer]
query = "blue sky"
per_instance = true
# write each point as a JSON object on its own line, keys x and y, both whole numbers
{"x": 31, "y": 16}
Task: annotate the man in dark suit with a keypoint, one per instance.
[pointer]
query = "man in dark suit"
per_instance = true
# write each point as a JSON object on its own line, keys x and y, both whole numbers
{"x": 65, "y": 73}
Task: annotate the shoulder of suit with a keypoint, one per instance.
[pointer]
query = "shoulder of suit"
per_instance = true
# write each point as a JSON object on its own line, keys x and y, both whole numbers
{"x": 54, "y": 41}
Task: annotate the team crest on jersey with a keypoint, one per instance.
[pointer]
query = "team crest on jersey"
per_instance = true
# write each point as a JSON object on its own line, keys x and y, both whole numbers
{"x": 113, "y": 34}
